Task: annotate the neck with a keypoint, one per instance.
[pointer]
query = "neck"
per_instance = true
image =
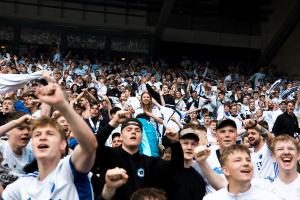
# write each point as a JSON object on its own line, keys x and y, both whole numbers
{"x": 46, "y": 166}
{"x": 288, "y": 176}
{"x": 237, "y": 187}
{"x": 221, "y": 150}
{"x": 131, "y": 150}
{"x": 15, "y": 149}
{"x": 188, "y": 163}
{"x": 259, "y": 146}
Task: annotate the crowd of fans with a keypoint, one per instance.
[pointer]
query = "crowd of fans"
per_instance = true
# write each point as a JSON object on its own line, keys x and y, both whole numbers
{"x": 85, "y": 128}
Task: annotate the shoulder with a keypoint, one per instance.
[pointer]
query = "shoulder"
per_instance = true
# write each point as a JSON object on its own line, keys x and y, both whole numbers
{"x": 217, "y": 195}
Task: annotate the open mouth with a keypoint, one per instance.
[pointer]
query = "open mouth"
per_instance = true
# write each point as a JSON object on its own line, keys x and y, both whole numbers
{"x": 286, "y": 159}
{"x": 246, "y": 171}
{"x": 25, "y": 139}
{"x": 43, "y": 146}
{"x": 132, "y": 138}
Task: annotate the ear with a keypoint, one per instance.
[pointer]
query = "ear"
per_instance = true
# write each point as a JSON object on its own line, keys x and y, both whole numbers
{"x": 226, "y": 171}
{"x": 63, "y": 146}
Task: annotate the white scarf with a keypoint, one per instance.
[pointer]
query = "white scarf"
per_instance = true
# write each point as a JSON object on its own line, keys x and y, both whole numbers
{"x": 12, "y": 82}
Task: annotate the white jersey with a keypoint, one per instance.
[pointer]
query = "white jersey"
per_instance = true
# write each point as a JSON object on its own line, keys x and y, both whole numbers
{"x": 64, "y": 182}
{"x": 13, "y": 162}
{"x": 285, "y": 191}
{"x": 254, "y": 193}
{"x": 264, "y": 165}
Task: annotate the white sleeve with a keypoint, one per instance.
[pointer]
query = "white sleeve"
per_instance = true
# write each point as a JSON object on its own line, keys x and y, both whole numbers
{"x": 11, "y": 192}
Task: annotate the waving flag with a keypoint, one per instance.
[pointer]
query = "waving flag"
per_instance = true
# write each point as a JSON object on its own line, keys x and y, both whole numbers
{"x": 289, "y": 91}
{"x": 274, "y": 85}
{"x": 11, "y": 82}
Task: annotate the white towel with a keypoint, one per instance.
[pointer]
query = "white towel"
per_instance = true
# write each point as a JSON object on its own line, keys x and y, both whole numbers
{"x": 12, "y": 82}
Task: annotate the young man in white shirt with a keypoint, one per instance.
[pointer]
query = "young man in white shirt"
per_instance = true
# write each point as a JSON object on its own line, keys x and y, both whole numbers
{"x": 260, "y": 139}
{"x": 238, "y": 169}
{"x": 58, "y": 177}
{"x": 286, "y": 152}
{"x": 15, "y": 153}
{"x": 226, "y": 135}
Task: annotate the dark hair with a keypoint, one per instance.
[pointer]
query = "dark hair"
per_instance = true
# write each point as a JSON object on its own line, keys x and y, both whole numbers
{"x": 114, "y": 110}
{"x": 151, "y": 193}
{"x": 14, "y": 115}
{"x": 264, "y": 124}
{"x": 116, "y": 134}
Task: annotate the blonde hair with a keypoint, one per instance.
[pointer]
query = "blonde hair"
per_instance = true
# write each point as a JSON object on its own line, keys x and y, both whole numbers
{"x": 231, "y": 150}
{"x": 46, "y": 121}
{"x": 284, "y": 138}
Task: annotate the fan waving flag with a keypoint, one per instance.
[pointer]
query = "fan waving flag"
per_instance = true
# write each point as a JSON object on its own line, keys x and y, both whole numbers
{"x": 289, "y": 91}
{"x": 11, "y": 82}
{"x": 274, "y": 85}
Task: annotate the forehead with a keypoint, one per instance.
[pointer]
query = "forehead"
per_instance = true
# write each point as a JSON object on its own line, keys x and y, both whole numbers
{"x": 227, "y": 128}
{"x": 131, "y": 127}
{"x": 237, "y": 154}
{"x": 189, "y": 140}
{"x": 45, "y": 128}
{"x": 61, "y": 118}
{"x": 284, "y": 143}
{"x": 7, "y": 101}
{"x": 22, "y": 126}
{"x": 252, "y": 131}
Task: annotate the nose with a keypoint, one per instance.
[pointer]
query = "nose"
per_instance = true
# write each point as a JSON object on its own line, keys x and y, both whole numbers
{"x": 246, "y": 162}
{"x": 189, "y": 146}
{"x": 43, "y": 136}
{"x": 285, "y": 151}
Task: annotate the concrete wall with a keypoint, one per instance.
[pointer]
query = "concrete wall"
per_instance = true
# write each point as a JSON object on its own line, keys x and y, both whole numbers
{"x": 74, "y": 17}
{"x": 117, "y": 22}
{"x": 280, "y": 11}
{"x": 288, "y": 57}
{"x": 212, "y": 38}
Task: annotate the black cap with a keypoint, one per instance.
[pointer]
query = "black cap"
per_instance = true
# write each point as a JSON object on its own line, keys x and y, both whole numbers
{"x": 189, "y": 133}
{"x": 132, "y": 121}
{"x": 226, "y": 122}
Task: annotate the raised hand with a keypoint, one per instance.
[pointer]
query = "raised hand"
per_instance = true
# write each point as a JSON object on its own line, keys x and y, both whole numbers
{"x": 172, "y": 135}
{"x": 51, "y": 94}
{"x": 115, "y": 178}
{"x": 24, "y": 119}
{"x": 201, "y": 153}
{"x": 249, "y": 123}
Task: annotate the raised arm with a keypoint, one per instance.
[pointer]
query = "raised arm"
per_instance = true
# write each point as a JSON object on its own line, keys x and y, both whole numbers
{"x": 14, "y": 123}
{"x": 214, "y": 179}
{"x": 251, "y": 123}
{"x": 84, "y": 154}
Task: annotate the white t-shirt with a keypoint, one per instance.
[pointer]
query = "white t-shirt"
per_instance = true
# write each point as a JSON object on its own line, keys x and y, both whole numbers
{"x": 13, "y": 162}
{"x": 264, "y": 165}
{"x": 285, "y": 191}
{"x": 64, "y": 182}
{"x": 254, "y": 193}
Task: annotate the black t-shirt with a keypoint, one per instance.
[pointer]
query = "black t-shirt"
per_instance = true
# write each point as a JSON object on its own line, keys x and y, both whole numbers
{"x": 187, "y": 184}
{"x": 286, "y": 124}
{"x": 3, "y": 117}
